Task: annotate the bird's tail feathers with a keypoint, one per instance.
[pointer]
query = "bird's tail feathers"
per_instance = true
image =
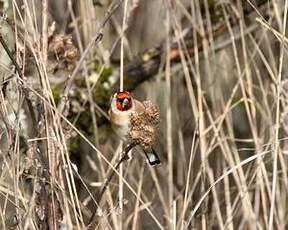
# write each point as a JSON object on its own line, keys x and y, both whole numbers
{"x": 152, "y": 156}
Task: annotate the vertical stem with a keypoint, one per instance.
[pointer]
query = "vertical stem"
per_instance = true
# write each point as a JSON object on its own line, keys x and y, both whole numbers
{"x": 169, "y": 116}
{"x": 174, "y": 215}
{"x": 44, "y": 31}
{"x": 121, "y": 89}
{"x": 277, "y": 123}
{"x": 120, "y": 192}
{"x": 122, "y": 46}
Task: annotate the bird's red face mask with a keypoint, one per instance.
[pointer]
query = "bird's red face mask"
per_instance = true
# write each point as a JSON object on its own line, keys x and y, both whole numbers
{"x": 123, "y": 101}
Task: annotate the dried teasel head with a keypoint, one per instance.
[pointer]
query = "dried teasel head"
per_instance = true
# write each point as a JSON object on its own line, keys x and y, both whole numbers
{"x": 143, "y": 125}
{"x": 62, "y": 51}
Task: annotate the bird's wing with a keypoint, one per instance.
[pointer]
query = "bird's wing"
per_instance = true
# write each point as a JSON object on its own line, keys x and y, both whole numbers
{"x": 139, "y": 107}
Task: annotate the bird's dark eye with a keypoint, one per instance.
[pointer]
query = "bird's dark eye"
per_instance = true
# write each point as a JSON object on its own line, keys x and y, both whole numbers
{"x": 125, "y": 102}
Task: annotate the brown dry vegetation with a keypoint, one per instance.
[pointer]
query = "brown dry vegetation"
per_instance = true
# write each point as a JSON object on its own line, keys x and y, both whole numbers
{"x": 217, "y": 70}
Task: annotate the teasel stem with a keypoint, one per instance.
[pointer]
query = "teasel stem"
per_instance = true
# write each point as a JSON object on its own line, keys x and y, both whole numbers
{"x": 110, "y": 177}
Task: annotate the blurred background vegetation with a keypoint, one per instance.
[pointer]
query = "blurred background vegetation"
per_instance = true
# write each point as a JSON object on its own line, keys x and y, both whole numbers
{"x": 216, "y": 69}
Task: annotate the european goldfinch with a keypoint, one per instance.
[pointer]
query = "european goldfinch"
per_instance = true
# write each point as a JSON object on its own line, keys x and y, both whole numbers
{"x": 134, "y": 121}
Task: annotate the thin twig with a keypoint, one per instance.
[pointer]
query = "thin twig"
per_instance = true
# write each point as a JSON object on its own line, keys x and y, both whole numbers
{"x": 19, "y": 71}
{"x": 109, "y": 178}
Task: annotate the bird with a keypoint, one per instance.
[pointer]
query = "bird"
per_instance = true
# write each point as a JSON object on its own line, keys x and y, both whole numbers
{"x": 134, "y": 121}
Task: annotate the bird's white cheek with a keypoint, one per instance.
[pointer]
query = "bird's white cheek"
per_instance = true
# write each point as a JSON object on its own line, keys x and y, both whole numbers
{"x": 122, "y": 130}
{"x": 120, "y": 121}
